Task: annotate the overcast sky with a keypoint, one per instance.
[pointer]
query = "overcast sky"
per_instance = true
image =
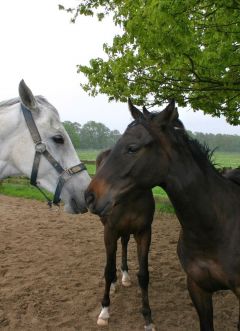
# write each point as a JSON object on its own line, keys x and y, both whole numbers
{"x": 40, "y": 45}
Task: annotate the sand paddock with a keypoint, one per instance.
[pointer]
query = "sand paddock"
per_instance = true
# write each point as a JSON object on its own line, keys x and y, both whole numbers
{"x": 51, "y": 275}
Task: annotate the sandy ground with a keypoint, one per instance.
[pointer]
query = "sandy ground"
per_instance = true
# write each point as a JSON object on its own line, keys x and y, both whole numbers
{"x": 51, "y": 275}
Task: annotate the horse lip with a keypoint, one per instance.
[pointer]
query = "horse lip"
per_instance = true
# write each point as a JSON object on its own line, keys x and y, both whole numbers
{"x": 83, "y": 210}
{"x": 78, "y": 209}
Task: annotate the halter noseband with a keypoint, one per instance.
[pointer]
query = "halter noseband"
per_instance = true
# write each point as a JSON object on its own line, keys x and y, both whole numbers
{"x": 41, "y": 149}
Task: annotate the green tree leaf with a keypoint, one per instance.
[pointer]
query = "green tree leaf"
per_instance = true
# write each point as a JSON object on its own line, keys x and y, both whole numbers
{"x": 188, "y": 50}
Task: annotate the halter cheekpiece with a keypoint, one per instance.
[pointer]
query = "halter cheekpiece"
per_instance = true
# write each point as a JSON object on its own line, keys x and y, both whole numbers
{"x": 41, "y": 149}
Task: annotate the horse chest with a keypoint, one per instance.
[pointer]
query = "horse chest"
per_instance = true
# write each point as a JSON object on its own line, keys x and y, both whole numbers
{"x": 127, "y": 223}
{"x": 132, "y": 224}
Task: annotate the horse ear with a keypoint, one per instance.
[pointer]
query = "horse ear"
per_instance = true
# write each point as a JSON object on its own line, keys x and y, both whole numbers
{"x": 168, "y": 115}
{"x": 136, "y": 114}
{"x": 26, "y": 96}
{"x": 146, "y": 113}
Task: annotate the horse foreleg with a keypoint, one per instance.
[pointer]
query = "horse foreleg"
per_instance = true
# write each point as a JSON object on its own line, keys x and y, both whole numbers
{"x": 239, "y": 315}
{"x": 124, "y": 267}
{"x": 236, "y": 291}
{"x": 110, "y": 241}
{"x": 143, "y": 243}
{"x": 202, "y": 301}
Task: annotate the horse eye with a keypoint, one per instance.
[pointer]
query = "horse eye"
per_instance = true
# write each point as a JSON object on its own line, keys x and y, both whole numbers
{"x": 58, "y": 139}
{"x": 132, "y": 149}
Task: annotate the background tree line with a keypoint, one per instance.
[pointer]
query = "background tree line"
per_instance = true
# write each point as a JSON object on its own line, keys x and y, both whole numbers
{"x": 222, "y": 142}
{"x": 93, "y": 135}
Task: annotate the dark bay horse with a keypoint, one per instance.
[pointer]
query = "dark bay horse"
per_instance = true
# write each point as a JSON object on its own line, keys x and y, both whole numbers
{"x": 156, "y": 150}
{"x": 134, "y": 216}
{"x": 232, "y": 174}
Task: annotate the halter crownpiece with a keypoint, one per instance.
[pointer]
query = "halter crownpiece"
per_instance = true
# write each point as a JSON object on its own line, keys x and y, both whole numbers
{"x": 41, "y": 149}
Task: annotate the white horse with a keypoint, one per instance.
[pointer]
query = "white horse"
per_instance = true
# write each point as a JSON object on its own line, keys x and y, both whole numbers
{"x": 53, "y": 152}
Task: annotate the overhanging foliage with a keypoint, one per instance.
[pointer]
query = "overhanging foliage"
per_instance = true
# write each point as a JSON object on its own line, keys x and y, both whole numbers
{"x": 186, "y": 49}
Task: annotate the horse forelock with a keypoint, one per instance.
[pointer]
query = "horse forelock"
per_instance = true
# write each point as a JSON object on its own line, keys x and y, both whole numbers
{"x": 143, "y": 120}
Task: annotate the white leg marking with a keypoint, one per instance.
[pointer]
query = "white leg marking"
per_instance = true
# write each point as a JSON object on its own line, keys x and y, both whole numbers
{"x": 103, "y": 317}
{"x": 126, "y": 281}
{"x": 150, "y": 327}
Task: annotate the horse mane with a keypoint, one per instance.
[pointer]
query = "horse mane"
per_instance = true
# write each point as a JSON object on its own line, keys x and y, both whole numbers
{"x": 201, "y": 151}
{"x": 39, "y": 98}
{"x": 9, "y": 103}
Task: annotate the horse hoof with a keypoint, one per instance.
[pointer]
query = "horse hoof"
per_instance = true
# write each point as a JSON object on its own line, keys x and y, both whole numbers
{"x": 126, "y": 283}
{"x": 150, "y": 327}
{"x": 102, "y": 322}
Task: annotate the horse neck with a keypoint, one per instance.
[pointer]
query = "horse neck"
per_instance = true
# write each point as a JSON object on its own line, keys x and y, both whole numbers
{"x": 12, "y": 124}
{"x": 197, "y": 194}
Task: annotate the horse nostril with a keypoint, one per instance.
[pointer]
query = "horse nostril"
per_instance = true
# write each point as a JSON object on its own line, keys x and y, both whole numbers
{"x": 89, "y": 198}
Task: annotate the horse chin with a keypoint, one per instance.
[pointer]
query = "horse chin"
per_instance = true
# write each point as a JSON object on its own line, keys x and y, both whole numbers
{"x": 106, "y": 210}
{"x": 102, "y": 211}
{"x": 74, "y": 207}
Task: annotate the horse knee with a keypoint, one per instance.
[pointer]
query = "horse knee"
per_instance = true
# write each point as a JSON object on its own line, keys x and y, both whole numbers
{"x": 143, "y": 279}
{"x": 110, "y": 274}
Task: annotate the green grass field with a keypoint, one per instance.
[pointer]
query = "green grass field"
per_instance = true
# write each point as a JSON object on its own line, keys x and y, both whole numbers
{"x": 221, "y": 159}
{"x": 24, "y": 190}
{"x": 90, "y": 154}
{"x": 20, "y": 187}
{"x": 227, "y": 160}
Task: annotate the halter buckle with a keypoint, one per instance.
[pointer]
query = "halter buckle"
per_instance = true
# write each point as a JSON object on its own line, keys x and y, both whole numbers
{"x": 40, "y": 147}
{"x": 75, "y": 169}
{"x": 69, "y": 172}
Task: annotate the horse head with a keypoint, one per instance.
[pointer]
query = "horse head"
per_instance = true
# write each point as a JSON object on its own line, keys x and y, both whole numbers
{"x": 20, "y": 147}
{"x": 130, "y": 164}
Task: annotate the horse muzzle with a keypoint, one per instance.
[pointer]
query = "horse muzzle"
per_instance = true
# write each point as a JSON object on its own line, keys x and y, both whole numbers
{"x": 75, "y": 207}
{"x": 101, "y": 207}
